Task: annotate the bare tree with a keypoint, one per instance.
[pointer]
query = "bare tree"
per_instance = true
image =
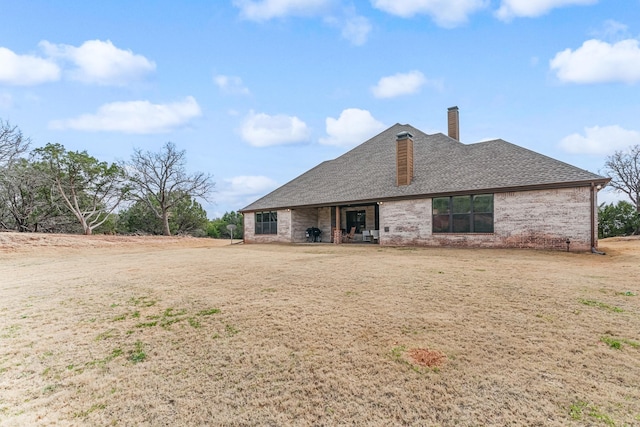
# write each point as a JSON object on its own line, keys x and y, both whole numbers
{"x": 623, "y": 167}
{"x": 12, "y": 143}
{"x": 161, "y": 181}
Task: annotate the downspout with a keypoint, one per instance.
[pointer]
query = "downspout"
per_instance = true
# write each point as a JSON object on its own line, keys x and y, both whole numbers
{"x": 243, "y": 227}
{"x": 594, "y": 230}
{"x": 593, "y": 217}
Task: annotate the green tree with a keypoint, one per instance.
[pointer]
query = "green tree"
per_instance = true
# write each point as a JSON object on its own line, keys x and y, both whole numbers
{"x": 188, "y": 218}
{"x": 161, "y": 181}
{"x": 621, "y": 219}
{"x": 88, "y": 188}
{"x": 27, "y": 196}
{"x": 139, "y": 219}
{"x": 217, "y": 228}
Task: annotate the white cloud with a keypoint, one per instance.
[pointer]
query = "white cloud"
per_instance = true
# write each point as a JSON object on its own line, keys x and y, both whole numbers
{"x": 230, "y": 84}
{"x": 399, "y": 84}
{"x": 533, "y": 8}
{"x": 598, "y": 62}
{"x": 249, "y": 185}
{"x": 600, "y": 140}
{"x": 100, "y": 62}
{"x": 356, "y": 29}
{"x": 26, "y": 70}
{"x": 354, "y": 126}
{"x": 136, "y": 117}
{"x": 265, "y": 10}
{"x": 263, "y": 130}
{"x": 240, "y": 191}
{"x": 446, "y": 13}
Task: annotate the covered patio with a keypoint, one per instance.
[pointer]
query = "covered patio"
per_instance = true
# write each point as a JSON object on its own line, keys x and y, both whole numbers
{"x": 353, "y": 223}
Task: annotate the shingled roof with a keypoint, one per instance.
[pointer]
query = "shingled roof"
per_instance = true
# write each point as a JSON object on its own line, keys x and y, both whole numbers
{"x": 442, "y": 166}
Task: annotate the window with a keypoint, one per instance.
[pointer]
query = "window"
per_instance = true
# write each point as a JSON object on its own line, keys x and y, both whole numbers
{"x": 267, "y": 222}
{"x": 463, "y": 214}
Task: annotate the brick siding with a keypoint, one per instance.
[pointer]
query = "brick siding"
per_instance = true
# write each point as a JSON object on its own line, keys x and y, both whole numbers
{"x": 324, "y": 223}
{"x": 542, "y": 219}
{"x": 284, "y": 229}
{"x": 301, "y": 219}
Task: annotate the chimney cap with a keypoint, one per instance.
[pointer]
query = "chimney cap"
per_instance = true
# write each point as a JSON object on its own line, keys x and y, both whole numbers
{"x": 455, "y": 107}
{"x": 403, "y": 135}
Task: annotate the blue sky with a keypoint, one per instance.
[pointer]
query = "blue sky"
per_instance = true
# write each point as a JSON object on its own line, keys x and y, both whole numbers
{"x": 259, "y": 91}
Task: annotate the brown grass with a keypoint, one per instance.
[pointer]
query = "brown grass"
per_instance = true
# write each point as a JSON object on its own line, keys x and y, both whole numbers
{"x": 126, "y": 331}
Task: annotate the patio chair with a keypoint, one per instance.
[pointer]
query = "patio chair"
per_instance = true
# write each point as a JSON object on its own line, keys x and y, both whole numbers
{"x": 366, "y": 236}
{"x": 375, "y": 235}
{"x": 349, "y": 237}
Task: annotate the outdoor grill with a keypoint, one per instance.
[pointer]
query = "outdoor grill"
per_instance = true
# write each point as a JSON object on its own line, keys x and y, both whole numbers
{"x": 313, "y": 234}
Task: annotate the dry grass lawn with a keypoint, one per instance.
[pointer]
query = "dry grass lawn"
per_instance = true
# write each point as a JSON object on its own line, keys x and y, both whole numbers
{"x": 180, "y": 331}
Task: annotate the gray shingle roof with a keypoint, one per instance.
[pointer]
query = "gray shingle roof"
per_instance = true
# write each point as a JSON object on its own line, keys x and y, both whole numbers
{"x": 441, "y": 166}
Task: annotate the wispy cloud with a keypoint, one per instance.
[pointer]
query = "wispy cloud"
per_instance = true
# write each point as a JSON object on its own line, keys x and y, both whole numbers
{"x": 26, "y": 70}
{"x": 510, "y": 9}
{"x": 612, "y": 30}
{"x": 264, "y": 130}
{"x": 402, "y": 84}
{"x": 445, "y": 13}
{"x": 6, "y": 101}
{"x": 599, "y": 62}
{"x": 353, "y": 127}
{"x": 231, "y": 84}
{"x": 353, "y": 27}
{"x": 135, "y": 117}
{"x": 264, "y": 10}
{"x": 100, "y": 62}
{"x": 600, "y": 140}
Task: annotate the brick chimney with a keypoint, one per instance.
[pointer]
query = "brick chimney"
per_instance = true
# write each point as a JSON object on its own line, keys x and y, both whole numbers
{"x": 404, "y": 158}
{"x": 454, "y": 123}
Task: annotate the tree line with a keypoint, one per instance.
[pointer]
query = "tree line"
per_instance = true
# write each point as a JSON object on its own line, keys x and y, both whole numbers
{"x": 52, "y": 189}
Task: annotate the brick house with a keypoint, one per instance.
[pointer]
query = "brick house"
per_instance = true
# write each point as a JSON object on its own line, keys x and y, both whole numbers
{"x": 408, "y": 188}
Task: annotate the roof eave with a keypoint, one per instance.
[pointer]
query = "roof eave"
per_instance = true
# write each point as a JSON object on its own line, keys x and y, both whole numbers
{"x": 569, "y": 184}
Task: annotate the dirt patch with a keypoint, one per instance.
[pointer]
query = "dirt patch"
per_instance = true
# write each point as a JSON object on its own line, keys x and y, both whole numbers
{"x": 426, "y": 357}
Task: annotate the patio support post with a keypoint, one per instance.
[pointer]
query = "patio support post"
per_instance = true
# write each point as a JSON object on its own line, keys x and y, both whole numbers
{"x": 337, "y": 232}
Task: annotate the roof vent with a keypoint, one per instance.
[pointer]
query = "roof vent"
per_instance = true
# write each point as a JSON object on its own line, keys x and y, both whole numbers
{"x": 404, "y": 158}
